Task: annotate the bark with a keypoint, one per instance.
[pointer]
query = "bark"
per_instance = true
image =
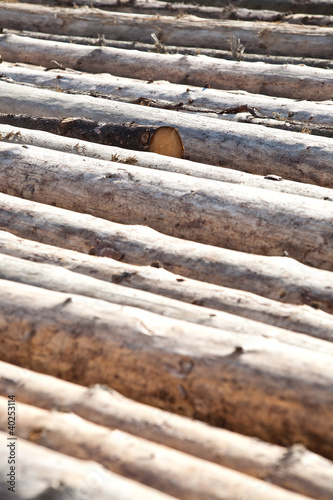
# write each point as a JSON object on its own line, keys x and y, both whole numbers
{"x": 264, "y": 388}
{"x": 303, "y": 471}
{"x": 161, "y": 140}
{"x": 298, "y": 82}
{"x": 255, "y": 149}
{"x": 277, "y": 278}
{"x": 221, "y": 104}
{"x": 62, "y": 280}
{"x": 162, "y": 468}
{"x": 43, "y": 473}
{"x": 257, "y": 36}
{"x": 150, "y": 160}
{"x": 300, "y": 318}
{"x": 209, "y": 212}
{"x": 172, "y": 49}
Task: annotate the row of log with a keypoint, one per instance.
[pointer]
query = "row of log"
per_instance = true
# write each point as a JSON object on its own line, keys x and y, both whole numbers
{"x": 258, "y": 37}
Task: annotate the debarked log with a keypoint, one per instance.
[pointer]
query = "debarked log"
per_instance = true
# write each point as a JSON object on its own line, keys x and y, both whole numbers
{"x": 240, "y": 146}
{"x": 299, "y": 318}
{"x": 210, "y": 212}
{"x": 256, "y": 386}
{"x": 150, "y": 160}
{"x": 62, "y": 280}
{"x": 43, "y": 472}
{"x": 223, "y": 103}
{"x": 160, "y": 140}
{"x": 278, "y": 278}
{"x": 295, "y": 81}
{"x": 304, "y": 472}
{"x": 259, "y": 37}
{"x": 162, "y": 468}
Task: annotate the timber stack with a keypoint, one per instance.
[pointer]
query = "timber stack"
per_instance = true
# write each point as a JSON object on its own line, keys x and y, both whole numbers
{"x": 166, "y": 250}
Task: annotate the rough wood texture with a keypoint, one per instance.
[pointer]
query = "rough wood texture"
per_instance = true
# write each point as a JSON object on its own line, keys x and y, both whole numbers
{"x": 299, "y": 318}
{"x": 160, "y": 140}
{"x": 150, "y": 160}
{"x": 62, "y": 280}
{"x": 239, "y": 146}
{"x": 209, "y": 212}
{"x": 278, "y": 278}
{"x": 264, "y": 388}
{"x": 225, "y": 103}
{"x": 298, "y": 82}
{"x": 44, "y": 473}
{"x": 259, "y": 37}
{"x": 295, "y": 468}
{"x": 157, "y": 466}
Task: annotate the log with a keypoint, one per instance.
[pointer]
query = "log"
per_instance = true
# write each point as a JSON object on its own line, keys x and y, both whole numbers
{"x": 258, "y": 37}
{"x": 239, "y": 146}
{"x": 172, "y": 49}
{"x": 160, "y": 140}
{"x": 62, "y": 280}
{"x": 150, "y": 160}
{"x": 44, "y": 473}
{"x": 303, "y": 471}
{"x": 263, "y": 388}
{"x": 154, "y": 465}
{"x": 223, "y": 103}
{"x": 180, "y": 9}
{"x": 277, "y": 278}
{"x": 299, "y": 318}
{"x": 297, "y": 82}
{"x": 220, "y": 214}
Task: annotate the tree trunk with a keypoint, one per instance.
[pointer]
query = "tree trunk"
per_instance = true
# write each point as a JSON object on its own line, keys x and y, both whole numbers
{"x": 299, "y": 318}
{"x": 41, "y": 472}
{"x": 277, "y": 392}
{"x": 220, "y": 214}
{"x": 220, "y": 103}
{"x": 277, "y": 278}
{"x": 150, "y": 160}
{"x": 258, "y": 37}
{"x": 161, "y": 140}
{"x": 298, "y": 82}
{"x": 254, "y": 149}
{"x": 62, "y": 280}
{"x": 303, "y": 473}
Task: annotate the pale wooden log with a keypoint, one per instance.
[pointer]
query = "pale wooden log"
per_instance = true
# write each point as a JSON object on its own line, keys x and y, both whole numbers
{"x": 220, "y": 214}
{"x": 299, "y": 318}
{"x": 44, "y": 473}
{"x": 172, "y": 49}
{"x": 259, "y": 37}
{"x": 163, "y": 468}
{"x": 62, "y": 280}
{"x": 278, "y": 278}
{"x": 264, "y": 388}
{"x": 218, "y": 101}
{"x": 295, "y": 468}
{"x": 296, "y": 82}
{"x": 240, "y": 146}
{"x": 151, "y": 160}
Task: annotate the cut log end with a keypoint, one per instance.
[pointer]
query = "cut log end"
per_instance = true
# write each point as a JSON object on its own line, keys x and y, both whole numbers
{"x": 167, "y": 141}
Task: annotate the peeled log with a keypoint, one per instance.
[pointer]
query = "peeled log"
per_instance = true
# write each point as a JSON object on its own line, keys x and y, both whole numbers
{"x": 42, "y": 472}
{"x": 260, "y": 387}
{"x": 304, "y": 472}
{"x": 150, "y": 160}
{"x": 298, "y": 82}
{"x": 278, "y": 278}
{"x": 239, "y": 146}
{"x": 259, "y": 37}
{"x": 209, "y": 212}
{"x": 299, "y": 318}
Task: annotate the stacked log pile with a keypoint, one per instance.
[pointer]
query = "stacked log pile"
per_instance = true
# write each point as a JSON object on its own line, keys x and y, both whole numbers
{"x": 166, "y": 250}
